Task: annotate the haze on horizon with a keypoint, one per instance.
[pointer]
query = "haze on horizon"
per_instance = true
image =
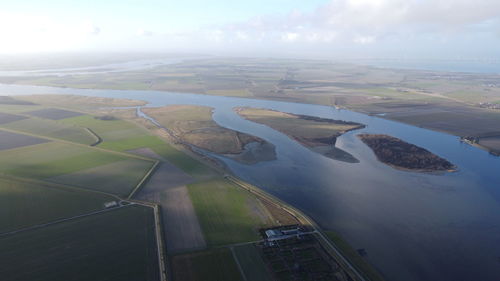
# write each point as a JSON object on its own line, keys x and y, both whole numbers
{"x": 450, "y": 29}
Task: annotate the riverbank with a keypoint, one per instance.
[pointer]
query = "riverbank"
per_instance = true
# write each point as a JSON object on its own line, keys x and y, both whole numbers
{"x": 194, "y": 125}
{"x": 318, "y": 134}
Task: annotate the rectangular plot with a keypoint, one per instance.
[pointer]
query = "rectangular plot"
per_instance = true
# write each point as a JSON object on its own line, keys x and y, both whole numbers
{"x": 116, "y": 245}
{"x": 10, "y": 140}
{"x": 214, "y": 265}
{"x": 118, "y": 178}
{"x": 54, "y": 113}
{"x": 25, "y": 204}
{"x": 7, "y": 118}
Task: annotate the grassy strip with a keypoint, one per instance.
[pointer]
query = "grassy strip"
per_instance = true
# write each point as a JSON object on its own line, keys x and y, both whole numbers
{"x": 214, "y": 265}
{"x": 116, "y": 245}
{"x": 356, "y": 260}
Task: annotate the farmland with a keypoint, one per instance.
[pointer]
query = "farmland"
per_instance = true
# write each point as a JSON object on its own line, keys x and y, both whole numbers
{"x": 251, "y": 263}
{"x": 115, "y": 245}
{"x": 215, "y": 265}
{"x": 26, "y": 203}
{"x": 227, "y": 213}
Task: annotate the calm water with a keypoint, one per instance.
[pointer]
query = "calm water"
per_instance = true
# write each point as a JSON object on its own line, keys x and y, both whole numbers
{"x": 413, "y": 226}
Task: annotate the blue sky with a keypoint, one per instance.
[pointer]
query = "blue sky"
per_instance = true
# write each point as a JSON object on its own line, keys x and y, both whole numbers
{"x": 319, "y": 28}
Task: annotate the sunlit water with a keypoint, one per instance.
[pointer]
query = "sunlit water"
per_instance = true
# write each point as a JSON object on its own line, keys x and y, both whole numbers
{"x": 413, "y": 226}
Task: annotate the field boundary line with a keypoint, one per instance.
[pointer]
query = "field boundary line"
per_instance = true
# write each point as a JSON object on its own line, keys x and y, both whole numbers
{"x": 33, "y": 227}
{"x": 162, "y": 259}
{"x": 144, "y": 179}
{"x": 98, "y": 139}
{"x": 51, "y": 184}
{"x": 238, "y": 264}
{"x": 78, "y": 144}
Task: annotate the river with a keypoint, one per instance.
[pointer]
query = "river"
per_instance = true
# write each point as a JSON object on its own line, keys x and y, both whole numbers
{"x": 413, "y": 226}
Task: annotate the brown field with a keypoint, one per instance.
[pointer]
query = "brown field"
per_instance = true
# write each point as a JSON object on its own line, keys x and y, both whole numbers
{"x": 167, "y": 187}
{"x": 7, "y": 118}
{"x": 54, "y": 113}
{"x": 10, "y": 140}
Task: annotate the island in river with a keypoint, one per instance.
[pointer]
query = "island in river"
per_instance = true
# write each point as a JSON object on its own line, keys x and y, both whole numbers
{"x": 405, "y": 156}
{"x": 317, "y": 134}
{"x": 193, "y": 125}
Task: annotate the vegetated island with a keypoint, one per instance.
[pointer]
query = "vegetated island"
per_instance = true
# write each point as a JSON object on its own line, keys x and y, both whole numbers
{"x": 318, "y": 134}
{"x": 193, "y": 125}
{"x": 405, "y": 156}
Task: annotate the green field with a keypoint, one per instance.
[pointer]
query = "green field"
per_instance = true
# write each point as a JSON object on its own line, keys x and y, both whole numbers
{"x": 225, "y": 212}
{"x": 23, "y": 204}
{"x": 119, "y": 178}
{"x": 52, "y": 129}
{"x": 51, "y": 160}
{"x": 116, "y": 245}
{"x": 165, "y": 150}
{"x": 108, "y": 130}
{"x": 214, "y": 265}
{"x": 252, "y": 264}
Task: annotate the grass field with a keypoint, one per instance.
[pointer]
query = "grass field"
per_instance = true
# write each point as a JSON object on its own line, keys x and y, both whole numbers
{"x": 354, "y": 257}
{"x": 52, "y": 129}
{"x": 119, "y": 178}
{"x": 252, "y": 264}
{"x": 108, "y": 130}
{"x": 81, "y": 166}
{"x": 165, "y": 150}
{"x": 214, "y": 265}
{"x": 116, "y": 245}
{"x": 23, "y": 204}
{"x": 225, "y": 212}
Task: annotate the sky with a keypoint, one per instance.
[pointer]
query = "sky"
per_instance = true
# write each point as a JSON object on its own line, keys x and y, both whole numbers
{"x": 450, "y": 29}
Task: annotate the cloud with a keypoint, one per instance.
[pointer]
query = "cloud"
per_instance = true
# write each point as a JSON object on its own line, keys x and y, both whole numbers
{"x": 367, "y": 21}
{"x": 142, "y": 32}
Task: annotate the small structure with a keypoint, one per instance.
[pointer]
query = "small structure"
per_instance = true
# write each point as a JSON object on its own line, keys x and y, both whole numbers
{"x": 110, "y": 204}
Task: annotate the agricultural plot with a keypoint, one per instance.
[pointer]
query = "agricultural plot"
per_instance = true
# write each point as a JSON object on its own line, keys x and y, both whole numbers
{"x": 9, "y": 140}
{"x": 167, "y": 187}
{"x": 215, "y": 265}
{"x": 53, "y": 113}
{"x": 51, "y": 160}
{"x": 111, "y": 130}
{"x": 23, "y": 204}
{"x": 251, "y": 263}
{"x": 113, "y": 246}
{"x": 118, "y": 178}
{"x": 7, "y": 118}
{"x": 227, "y": 213}
{"x": 52, "y": 129}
